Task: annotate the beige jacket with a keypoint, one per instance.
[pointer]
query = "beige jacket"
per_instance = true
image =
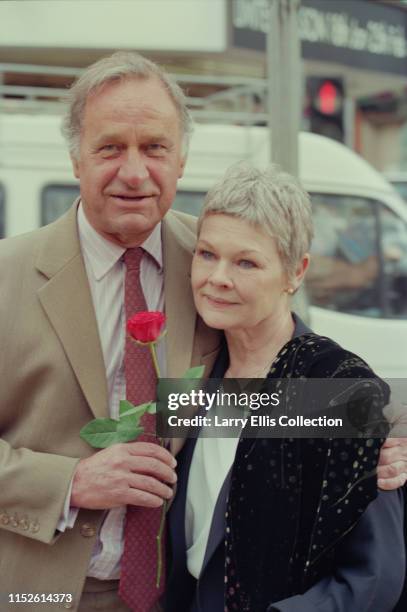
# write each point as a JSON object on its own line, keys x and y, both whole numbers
{"x": 53, "y": 383}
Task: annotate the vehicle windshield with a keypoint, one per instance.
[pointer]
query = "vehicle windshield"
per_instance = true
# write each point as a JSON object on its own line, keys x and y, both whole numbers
{"x": 56, "y": 200}
{"x": 359, "y": 252}
{"x": 401, "y": 187}
{"x": 359, "y": 257}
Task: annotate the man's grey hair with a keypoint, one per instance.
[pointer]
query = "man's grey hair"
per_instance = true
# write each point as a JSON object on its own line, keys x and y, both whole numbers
{"x": 119, "y": 66}
{"x": 269, "y": 199}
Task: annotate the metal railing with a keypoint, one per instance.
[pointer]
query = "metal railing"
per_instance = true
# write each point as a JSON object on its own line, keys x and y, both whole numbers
{"x": 236, "y": 99}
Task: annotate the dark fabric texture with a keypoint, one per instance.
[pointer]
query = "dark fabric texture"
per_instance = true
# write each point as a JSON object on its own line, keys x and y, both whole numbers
{"x": 402, "y": 603}
{"x": 291, "y": 502}
{"x": 313, "y": 491}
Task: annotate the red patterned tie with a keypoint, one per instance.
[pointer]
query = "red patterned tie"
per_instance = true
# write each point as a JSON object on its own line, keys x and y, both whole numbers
{"x": 139, "y": 561}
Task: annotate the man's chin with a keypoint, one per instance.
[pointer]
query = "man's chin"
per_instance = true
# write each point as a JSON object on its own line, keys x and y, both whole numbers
{"x": 131, "y": 232}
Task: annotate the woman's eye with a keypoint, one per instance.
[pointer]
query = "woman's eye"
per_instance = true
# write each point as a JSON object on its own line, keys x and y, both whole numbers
{"x": 207, "y": 255}
{"x": 246, "y": 264}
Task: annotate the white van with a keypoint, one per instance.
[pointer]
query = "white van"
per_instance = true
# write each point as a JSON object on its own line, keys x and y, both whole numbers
{"x": 398, "y": 178}
{"x": 358, "y": 282}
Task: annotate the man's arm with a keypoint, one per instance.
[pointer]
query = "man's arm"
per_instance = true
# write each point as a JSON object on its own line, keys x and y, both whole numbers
{"x": 133, "y": 473}
{"x": 392, "y": 466}
{"x": 370, "y": 566}
{"x": 326, "y": 275}
{"x": 34, "y": 486}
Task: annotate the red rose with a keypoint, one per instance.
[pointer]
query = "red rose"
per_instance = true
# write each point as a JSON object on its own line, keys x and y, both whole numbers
{"x": 146, "y": 326}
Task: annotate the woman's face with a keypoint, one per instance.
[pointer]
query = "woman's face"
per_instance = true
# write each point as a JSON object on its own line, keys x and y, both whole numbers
{"x": 238, "y": 279}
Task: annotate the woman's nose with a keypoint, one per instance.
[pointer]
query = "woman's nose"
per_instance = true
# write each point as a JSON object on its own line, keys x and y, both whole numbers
{"x": 220, "y": 275}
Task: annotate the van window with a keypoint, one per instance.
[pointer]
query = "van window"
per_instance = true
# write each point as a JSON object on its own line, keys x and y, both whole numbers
{"x": 189, "y": 202}
{"x": 2, "y": 211}
{"x": 401, "y": 187}
{"x": 359, "y": 257}
{"x": 55, "y": 201}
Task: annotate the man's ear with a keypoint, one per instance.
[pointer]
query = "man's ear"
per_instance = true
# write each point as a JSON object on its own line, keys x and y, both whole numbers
{"x": 75, "y": 166}
{"x": 301, "y": 270}
{"x": 182, "y": 163}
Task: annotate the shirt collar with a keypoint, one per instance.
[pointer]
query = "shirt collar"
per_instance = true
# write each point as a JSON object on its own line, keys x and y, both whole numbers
{"x": 102, "y": 254}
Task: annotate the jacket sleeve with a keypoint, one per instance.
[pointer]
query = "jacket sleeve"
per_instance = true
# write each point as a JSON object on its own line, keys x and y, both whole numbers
{"x": 370, "y": 565}
{"x": 34, "y": 492}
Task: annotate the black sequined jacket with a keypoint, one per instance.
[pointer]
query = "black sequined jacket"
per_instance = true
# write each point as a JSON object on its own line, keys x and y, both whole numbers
{"x": 289, "y": 505}
{"x": 292, "y": 500}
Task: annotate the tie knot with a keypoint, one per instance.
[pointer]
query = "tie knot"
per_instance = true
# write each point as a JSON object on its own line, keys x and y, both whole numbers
{"x": 132, "y": 258}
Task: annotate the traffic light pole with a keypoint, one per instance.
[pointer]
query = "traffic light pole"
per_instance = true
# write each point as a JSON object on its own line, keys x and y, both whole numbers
{"x": 285, "y": 92}
{"x": 284, "y": 82}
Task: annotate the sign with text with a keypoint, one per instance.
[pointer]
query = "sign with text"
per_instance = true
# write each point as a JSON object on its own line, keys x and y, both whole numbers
{"x": 357, "y": 33}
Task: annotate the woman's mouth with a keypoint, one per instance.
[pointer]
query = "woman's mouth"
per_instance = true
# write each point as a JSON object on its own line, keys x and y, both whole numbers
{"x": 219, "y": 302}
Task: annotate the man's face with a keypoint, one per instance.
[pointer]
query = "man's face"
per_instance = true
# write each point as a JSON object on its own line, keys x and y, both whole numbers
{"x": 130, "y": 158}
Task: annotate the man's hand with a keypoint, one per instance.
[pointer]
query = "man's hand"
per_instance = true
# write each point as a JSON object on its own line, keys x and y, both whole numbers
{"x": 134, "y": 473}
{"x": 392, "y": 467}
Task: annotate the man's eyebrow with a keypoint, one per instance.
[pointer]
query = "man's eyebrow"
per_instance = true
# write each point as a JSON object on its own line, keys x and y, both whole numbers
{"x": 115, "y": 137}
{"x": 106, "y": 137}
{"x": 158, "y": 137}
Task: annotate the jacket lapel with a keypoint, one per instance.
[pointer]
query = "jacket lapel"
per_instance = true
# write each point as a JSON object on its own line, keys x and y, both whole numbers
{"x": 67, "y": 301}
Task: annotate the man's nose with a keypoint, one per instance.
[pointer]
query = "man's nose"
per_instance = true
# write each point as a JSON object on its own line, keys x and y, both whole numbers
{"x": 133, "y": 170}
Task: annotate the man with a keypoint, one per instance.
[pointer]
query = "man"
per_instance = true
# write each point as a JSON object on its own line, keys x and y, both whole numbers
{"x": 63, "y": 505}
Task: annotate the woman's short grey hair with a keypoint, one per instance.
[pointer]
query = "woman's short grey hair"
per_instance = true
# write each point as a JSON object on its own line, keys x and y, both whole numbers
{"x": 270, "y": 199}
{"x": 120, "y": 65}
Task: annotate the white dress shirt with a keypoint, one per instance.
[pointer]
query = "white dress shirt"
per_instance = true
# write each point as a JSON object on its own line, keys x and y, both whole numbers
{"x": 106, "y": 275}
{"x": 211, "y": 461}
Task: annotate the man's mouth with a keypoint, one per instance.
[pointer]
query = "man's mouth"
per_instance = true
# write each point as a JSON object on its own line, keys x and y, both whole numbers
{"x": 132, "y": 197}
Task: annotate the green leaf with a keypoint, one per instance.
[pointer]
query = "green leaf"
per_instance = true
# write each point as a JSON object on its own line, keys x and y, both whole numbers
{"x": 124, "y": 406}
{"x": 101, "y": 433}
{"x": 152, "y": 408}
{"x": 136, "y": 410}
{"x": 196, "y": 372}
{"x": 128, "y": 428}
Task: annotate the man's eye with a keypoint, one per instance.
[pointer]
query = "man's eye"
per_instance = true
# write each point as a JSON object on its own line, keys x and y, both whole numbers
{"x": 156, "y": 147}
{"x": 110, "y": 148}
{"x": 246, "y": 264}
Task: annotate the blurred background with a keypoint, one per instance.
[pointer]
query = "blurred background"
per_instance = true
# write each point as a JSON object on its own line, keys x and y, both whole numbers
{"x": 353, "y": 68}
{"x": 336, "y": 70}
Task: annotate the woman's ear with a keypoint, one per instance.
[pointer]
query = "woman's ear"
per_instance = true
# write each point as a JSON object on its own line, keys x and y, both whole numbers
{"x": 300, "y": 271}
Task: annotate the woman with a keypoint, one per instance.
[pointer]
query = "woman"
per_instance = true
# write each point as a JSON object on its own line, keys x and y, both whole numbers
{"x": 276, "y": 524}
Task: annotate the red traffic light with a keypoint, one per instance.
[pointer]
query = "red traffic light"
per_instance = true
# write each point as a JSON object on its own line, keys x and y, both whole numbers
{"x": 329, "y": 98}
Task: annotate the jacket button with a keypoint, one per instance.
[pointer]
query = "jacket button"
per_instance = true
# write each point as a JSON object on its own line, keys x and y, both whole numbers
{"x": 24, "y": 524}
{"x": 4, "y": 518}
{"x": 14, "y": 521}
{"x": 88, "y": 530}
{"x": 34, "y": 527}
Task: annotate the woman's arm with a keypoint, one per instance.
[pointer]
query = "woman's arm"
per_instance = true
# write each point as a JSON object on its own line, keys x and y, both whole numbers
{"x": 370, "y": 565}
